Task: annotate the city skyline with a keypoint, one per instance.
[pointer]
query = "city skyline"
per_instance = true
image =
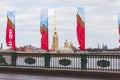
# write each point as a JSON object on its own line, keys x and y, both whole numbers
{"x": 100, "y": 20}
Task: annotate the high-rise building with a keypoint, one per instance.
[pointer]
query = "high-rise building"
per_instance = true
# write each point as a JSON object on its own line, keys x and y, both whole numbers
{"x": 55, "y": 36}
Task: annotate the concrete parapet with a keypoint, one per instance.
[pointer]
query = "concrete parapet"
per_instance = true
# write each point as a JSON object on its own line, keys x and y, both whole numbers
{"x": 62, "y": 73}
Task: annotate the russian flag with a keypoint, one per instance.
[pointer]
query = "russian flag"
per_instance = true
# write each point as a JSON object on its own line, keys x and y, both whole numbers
{"x": 80, "y": 16}
{"x": 10, "y": 30}
{"x": 44, "y": 28}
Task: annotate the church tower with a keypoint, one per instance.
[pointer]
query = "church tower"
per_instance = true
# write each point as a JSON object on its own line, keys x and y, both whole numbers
{"x": 71, "y": 44}
{"x": 55, "y": 36}
{"x": 66, "y": 44}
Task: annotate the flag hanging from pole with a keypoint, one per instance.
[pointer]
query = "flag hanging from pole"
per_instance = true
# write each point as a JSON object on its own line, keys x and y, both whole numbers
{"x": 44, "y": 28}
{"x": 80, "y": 16}
{"x": 119, "y": 26}
{"x": 10, "y": 30}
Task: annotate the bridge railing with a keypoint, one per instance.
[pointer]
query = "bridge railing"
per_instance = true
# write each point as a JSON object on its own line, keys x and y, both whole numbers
{"x": 106, "y": 61}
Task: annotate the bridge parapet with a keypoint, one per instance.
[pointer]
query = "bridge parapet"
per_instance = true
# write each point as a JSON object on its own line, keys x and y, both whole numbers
{"x": 102, "y": 61}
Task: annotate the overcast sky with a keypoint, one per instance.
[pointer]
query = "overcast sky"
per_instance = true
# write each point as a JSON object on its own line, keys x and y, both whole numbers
{"x": 100, "y": 21}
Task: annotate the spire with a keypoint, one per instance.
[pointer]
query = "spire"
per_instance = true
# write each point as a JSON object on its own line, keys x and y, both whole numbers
{"x": 55, "y": 22}
{"x": 55, "y": 36}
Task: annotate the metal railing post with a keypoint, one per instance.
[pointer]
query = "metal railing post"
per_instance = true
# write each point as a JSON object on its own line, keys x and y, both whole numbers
{"x": 83, "y": 62}
{"x": 47, "y": 60}
{"x": 14, "y": 57}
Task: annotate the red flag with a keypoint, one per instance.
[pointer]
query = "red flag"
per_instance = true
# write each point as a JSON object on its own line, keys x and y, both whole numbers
{"x": 10, "y": 30}
{"x": 44, "y": 29}
{"x": 119, "y": 31}
{"x": 119, "y": 26}
{"x": 44, "y": 38}
{"x": 80, "y": 30}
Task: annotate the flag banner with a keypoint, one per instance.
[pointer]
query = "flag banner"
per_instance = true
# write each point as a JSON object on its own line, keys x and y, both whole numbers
{"x": 80, "y": 16}
{"x": 119, "y": 25}
{"x": 44, "y": 28}
{"x": 10, "y": 30}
